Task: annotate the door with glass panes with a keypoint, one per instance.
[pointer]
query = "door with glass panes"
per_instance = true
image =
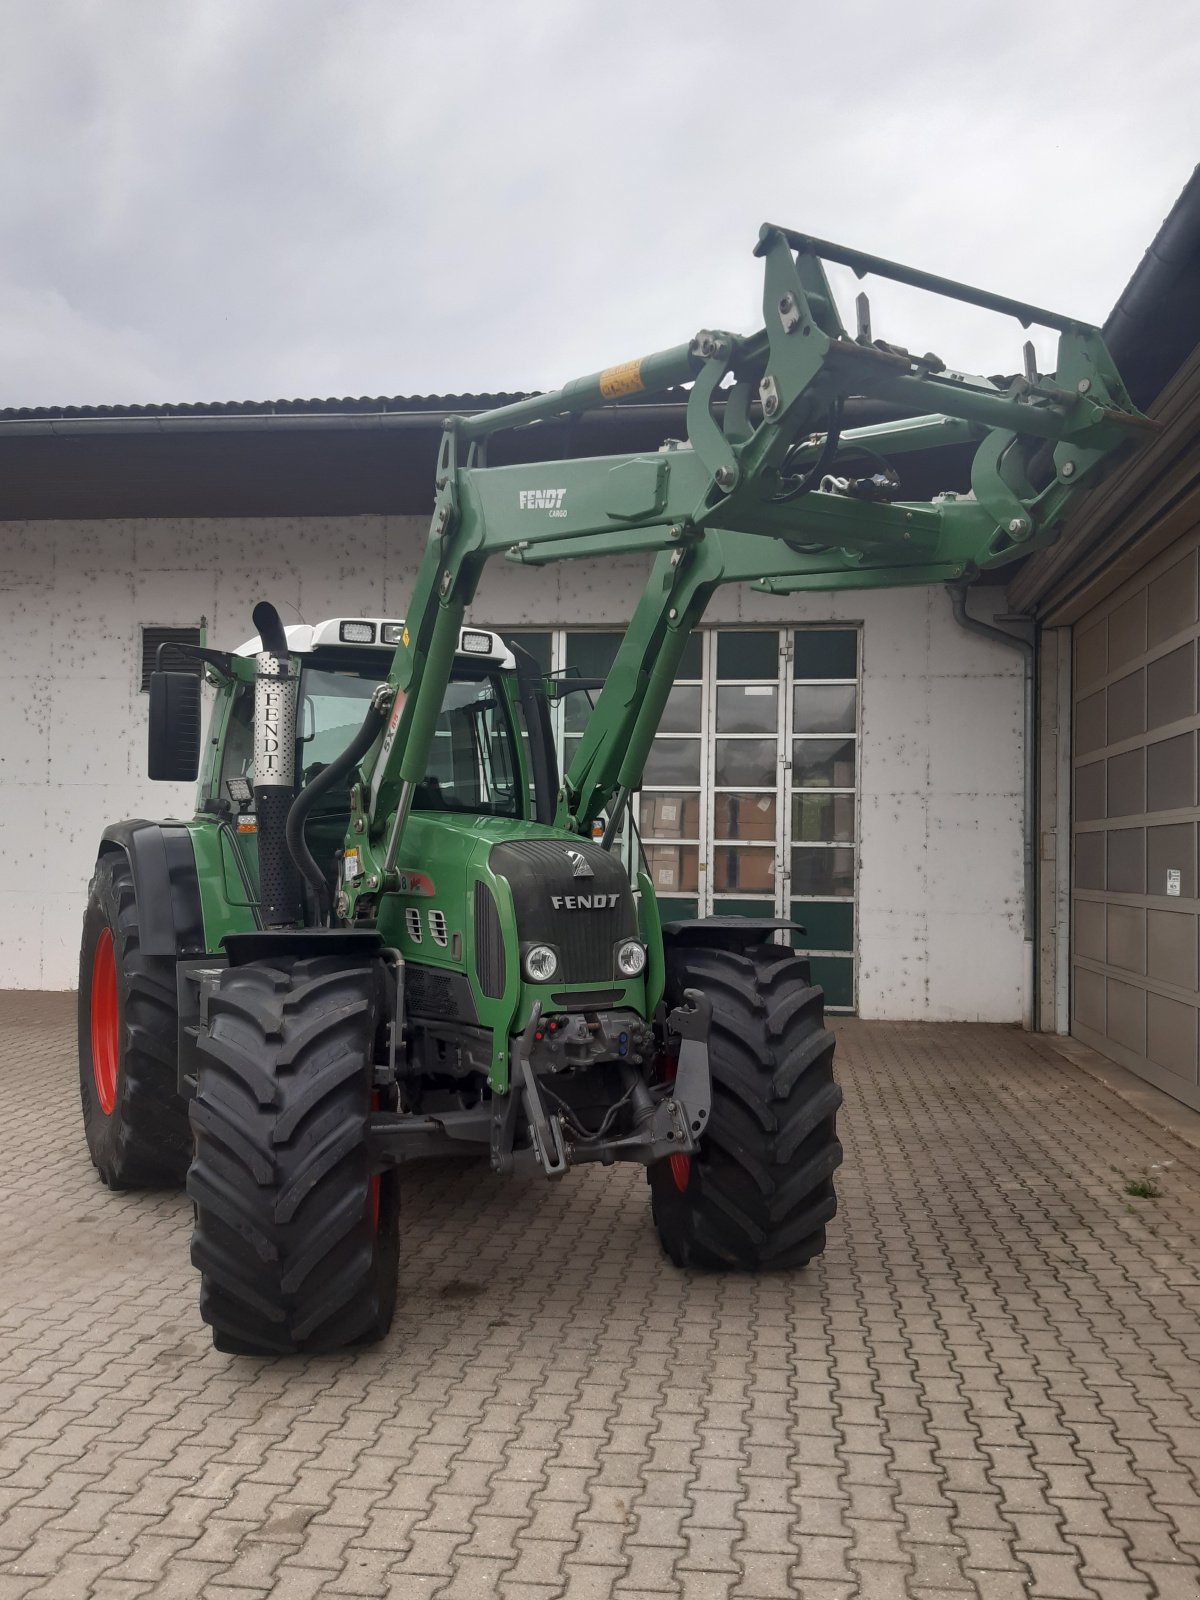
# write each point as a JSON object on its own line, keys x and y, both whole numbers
{"x": 749, "y": 800}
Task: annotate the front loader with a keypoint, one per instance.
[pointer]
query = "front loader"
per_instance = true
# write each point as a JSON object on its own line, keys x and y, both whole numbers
{"x": 392, "y": 931}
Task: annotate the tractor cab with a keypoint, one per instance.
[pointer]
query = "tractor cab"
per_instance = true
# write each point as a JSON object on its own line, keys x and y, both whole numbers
{"x": 477, "y": 762}
{"x": 492, "y": 753}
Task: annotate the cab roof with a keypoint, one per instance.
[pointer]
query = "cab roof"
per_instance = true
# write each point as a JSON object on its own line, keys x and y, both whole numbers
{"x": 355, "y": 634}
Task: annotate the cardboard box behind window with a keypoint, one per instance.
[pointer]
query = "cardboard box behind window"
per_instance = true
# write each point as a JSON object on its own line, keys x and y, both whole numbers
{"x": 745, "y": 816}
{"x": 744, "y": 871}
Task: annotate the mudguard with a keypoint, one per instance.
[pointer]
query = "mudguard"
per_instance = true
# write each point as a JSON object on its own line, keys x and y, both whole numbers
{"x": 164, "y": 879}
{"x": 726, "y": 933}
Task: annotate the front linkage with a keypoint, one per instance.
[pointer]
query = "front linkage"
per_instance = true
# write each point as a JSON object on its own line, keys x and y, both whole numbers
{"x": 667, "y": 1118}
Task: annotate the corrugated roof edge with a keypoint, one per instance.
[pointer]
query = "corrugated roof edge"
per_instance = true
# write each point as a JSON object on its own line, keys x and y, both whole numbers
{"x": 1155, "y": 324}
{"x": 368, "y": 404}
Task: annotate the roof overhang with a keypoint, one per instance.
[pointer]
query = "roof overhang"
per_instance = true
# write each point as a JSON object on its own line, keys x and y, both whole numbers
{"x": 291, "y": 462}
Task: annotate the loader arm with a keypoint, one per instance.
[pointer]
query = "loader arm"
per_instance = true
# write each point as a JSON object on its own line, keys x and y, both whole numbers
{"x": 750, "y": 498}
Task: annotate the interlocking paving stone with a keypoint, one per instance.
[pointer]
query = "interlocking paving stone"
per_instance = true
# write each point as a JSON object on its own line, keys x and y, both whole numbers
{"x": 989, "y": 1386}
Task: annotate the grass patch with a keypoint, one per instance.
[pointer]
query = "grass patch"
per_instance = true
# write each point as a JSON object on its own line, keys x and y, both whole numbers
{"x": 1143, "y": 1188}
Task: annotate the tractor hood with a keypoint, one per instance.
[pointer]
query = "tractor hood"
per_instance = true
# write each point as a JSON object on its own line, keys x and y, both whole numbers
{"x": 476, "y": 893}
{"x": 570, "y": 894}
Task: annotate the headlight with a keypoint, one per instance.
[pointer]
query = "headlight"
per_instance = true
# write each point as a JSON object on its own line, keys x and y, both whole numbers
{"x": 631, "y": 958}
{"x": 540, "y": 963}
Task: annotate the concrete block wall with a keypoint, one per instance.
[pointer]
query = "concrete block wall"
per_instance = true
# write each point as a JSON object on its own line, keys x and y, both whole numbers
{"x": 940, "y": 851}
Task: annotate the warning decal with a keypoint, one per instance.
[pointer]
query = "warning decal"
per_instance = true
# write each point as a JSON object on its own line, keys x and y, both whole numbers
{"x": 625, "y": 379}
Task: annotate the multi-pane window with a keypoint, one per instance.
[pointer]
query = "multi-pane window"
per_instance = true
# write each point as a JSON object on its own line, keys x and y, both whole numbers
{"x": 823, "y": 802}
{"x": 670, "y": 807}
{"x": 587, "y": 656}
{"x": 746, "y": 768}
{"x": 749, "y": 798}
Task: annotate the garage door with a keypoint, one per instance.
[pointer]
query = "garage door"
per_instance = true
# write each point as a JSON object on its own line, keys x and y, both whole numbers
{"x": 1134, "y": 891}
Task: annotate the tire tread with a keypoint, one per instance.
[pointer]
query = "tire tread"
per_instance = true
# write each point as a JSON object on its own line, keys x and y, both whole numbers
{"x": 760, "y": 1192}
{"x": 145, "y": 1142}
{"x": 280, "y": 1180}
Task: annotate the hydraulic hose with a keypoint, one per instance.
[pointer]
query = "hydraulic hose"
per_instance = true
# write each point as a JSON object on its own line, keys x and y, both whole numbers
{"x": 328, "y": 778}
{"x": 795, "y": 487}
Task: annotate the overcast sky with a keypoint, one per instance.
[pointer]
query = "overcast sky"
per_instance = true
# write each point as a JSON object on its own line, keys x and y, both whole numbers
{"x": 248, "y": 199}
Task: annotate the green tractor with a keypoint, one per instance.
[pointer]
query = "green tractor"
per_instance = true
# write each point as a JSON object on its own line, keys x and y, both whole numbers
{"x": 392, "y": 931}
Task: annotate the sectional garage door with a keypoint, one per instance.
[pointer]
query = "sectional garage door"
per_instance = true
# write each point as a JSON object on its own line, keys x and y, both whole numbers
{"x": 1134, "y": 891}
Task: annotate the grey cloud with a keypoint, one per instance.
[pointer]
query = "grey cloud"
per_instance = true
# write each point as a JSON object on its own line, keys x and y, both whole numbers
{"x": 292, "y": 197}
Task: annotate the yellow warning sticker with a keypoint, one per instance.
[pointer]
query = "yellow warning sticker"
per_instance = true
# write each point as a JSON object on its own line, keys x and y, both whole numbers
{"x": 625, "y": 379}
{"x": 404, "y": 638}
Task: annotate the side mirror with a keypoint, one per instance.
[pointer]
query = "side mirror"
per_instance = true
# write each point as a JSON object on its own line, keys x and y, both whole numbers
{"x": 173, "y": 755}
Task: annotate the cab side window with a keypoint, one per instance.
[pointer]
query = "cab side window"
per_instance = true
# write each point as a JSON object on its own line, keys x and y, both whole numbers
{"x": 237, "y": 756}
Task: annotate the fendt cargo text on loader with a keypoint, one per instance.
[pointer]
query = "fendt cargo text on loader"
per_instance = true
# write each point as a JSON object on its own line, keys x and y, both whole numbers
{"x": 391, "y": 931}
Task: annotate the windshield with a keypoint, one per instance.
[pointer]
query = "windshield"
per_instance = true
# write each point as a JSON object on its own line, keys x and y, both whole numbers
{"x": 472, "y": 765}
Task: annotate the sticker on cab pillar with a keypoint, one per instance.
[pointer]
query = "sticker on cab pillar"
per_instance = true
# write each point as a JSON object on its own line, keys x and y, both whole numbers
{"x": 404, "y": 637}
{"x": 625, "y": 379}
{"x": 393, "y": 724}
{"x": 389, "y": 740}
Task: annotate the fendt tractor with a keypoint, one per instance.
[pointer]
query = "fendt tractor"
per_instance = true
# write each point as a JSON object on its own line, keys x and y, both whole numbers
{"x": 391, "y": 931}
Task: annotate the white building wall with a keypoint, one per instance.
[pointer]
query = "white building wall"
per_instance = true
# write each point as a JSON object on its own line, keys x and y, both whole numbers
{"x": 939, "y": 924}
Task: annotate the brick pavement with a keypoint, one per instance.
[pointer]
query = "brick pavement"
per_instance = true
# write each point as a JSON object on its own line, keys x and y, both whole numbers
{"x": 989, "y": 1386}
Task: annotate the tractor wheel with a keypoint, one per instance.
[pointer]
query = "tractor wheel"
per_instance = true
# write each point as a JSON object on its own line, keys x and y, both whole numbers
{"x": 760, "y": 1191}
{"x": 134, "y": 1118}
{"x": 296, "y": 1241}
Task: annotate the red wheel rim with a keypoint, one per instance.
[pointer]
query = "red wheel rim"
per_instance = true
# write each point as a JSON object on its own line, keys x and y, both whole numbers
{"x": 681, "y": 1171}
{"x": 104, "y": 1021}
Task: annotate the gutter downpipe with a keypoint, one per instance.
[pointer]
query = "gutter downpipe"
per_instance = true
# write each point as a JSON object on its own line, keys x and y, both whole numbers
{"x": 986, "y": 630}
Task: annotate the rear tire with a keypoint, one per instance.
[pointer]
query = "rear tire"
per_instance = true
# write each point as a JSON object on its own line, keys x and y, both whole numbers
{"x": 760, "y": 1192}
{"x": 296, "y": 1242}
{"x": 134, "y": 1118}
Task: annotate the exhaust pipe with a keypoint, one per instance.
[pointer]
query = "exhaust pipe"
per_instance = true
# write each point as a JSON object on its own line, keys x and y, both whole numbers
{"x": 276, "y": 681}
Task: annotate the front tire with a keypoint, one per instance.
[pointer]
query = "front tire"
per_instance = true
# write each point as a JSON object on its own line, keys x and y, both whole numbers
{"x": 296, "y": 1241}
{"x": 760, "y": 1192}
{"x": 134, "y": 1118}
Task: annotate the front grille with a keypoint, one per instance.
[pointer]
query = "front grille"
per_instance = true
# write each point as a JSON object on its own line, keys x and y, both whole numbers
{"x": 489, "y": 943}
{"x": 540, "y": 871}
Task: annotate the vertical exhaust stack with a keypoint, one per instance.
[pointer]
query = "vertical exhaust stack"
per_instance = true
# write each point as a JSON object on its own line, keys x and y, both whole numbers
{"x": 276, "y": 679}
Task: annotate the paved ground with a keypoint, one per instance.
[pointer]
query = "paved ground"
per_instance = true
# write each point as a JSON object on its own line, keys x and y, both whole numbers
{"x": 990, "y": 1385}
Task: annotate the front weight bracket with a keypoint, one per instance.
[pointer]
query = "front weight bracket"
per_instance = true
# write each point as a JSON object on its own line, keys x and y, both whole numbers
{"x": 691, "y": 1023}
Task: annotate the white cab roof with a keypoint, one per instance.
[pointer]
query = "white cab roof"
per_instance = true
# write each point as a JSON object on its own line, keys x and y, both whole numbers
{"x": 305, "y": 637}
